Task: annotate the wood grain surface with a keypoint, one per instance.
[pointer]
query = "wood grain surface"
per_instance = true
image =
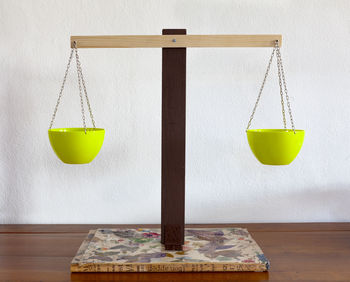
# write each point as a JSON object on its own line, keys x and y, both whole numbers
{"x": 173, "y": 144}
{"x": 297, "y": 251}
{"x": 176, "y": 41}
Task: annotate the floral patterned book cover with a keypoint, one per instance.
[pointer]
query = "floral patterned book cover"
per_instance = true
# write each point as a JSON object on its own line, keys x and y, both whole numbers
{"x": 140, "y": 250}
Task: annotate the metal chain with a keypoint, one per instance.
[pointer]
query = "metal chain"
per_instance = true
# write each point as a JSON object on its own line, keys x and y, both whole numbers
{"x": 282, "y": 80}
{"x": 261, "y": 88}
{"x": 281, "y": 89}
{"x": 84, "y": 87}
{"x": 279, "y": 58}
{"x": 61, "y": 91}
{"x": 81, "y": 82}
{"x": 80, "y": 89}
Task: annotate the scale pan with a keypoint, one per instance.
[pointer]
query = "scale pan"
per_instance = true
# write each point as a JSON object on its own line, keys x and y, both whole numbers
{"x": 73, "y": 146}
{"x": 275, "y": 146}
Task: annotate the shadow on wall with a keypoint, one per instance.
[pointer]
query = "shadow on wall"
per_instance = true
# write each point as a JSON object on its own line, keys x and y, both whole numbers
{"x": 329, "y": 203}
{"x": 18, "y": 157}
{"x": 317, "y": 204}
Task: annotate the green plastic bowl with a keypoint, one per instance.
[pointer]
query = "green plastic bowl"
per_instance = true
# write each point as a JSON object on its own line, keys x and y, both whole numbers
{"x": 74, "y": 146}
{"x": 275, "y": 146}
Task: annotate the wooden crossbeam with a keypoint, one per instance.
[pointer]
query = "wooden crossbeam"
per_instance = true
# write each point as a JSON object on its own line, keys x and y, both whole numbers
{"x": 175, "y": 41}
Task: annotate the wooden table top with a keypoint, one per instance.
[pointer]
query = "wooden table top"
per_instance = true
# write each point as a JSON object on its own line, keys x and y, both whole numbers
{"x": 297, "y": 251}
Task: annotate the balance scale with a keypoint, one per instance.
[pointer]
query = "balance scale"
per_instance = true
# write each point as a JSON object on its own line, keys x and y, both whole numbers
{"x": 172, "y": 248}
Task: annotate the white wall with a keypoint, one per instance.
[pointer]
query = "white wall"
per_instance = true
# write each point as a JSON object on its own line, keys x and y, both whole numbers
{"x": 225, "y": 183}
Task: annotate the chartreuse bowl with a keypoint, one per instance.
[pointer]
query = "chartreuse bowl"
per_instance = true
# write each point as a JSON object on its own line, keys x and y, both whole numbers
{"x": 275, "y": 146}
{"x": 74, "y": 146}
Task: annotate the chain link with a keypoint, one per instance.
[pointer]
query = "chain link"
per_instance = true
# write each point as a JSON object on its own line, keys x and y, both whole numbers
{"x": 282, "y": 81}
{"x": 279, "y": 57}
{"x": 61, "y": 90}
{"x": 281, "y": 90}
{"x": 261, "y": 88}
{"x": 82, "y": 87}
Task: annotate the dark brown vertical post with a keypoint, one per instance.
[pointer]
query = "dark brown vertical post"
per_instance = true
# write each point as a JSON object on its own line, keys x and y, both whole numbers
{"x": 173, "y": 144}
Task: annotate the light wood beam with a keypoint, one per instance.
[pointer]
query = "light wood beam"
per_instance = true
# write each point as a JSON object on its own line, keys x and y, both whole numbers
{"x": 175, "y": 41}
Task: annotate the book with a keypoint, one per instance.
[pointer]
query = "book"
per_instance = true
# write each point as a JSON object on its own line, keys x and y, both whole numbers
{"x": 140, "y": 250}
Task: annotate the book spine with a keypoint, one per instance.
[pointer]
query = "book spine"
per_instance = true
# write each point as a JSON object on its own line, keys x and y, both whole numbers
{"x": 168, "y": 267}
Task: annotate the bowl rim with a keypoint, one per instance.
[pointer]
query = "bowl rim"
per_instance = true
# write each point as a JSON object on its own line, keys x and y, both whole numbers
{"x": 272, "y": 130}
{"x": 75, "y": 130}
